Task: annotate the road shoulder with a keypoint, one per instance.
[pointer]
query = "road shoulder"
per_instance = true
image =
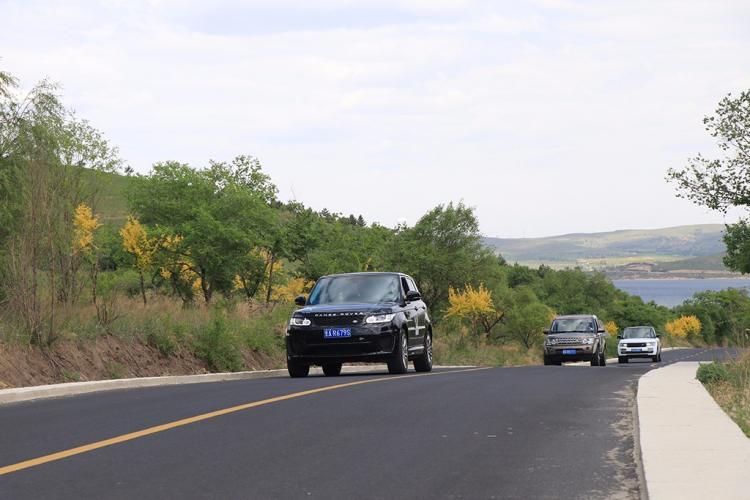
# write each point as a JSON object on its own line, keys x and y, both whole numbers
{"x": 690, "y": 448}
{"x": 19, "y": 394}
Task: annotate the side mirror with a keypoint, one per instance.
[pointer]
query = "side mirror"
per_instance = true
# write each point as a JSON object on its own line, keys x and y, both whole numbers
{"x": 658, "y": 335}
{"x": 546, "y": 331}
{"x": 300, "y": 300}
{"x": 619, "y": 336}
{"x": 413, "y": 296}
{"x": 601, "y": 331}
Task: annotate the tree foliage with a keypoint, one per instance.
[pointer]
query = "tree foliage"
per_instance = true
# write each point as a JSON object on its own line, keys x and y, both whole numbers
{"x": 723, "y": 182}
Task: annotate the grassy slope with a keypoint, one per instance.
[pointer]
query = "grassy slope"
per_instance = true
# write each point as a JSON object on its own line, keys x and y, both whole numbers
{"x": 708, "y": 262}
{"x": 681, "y": 241}
{"x": 110, "y": 204}
{"x": 729, "y": 384}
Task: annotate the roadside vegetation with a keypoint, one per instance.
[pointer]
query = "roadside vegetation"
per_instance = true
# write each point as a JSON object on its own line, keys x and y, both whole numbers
{"x": 729, "y": 384}
{"x": 194, "y": 268}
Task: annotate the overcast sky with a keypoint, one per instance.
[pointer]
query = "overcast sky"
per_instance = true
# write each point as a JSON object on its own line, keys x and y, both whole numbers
{"x": 549, "y": 116}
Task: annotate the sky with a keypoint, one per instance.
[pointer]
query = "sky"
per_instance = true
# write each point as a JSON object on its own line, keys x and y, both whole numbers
{"x": 547, "y": 116}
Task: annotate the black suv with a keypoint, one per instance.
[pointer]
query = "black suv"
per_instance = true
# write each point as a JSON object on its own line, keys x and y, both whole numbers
{"x": 360, "y": 317}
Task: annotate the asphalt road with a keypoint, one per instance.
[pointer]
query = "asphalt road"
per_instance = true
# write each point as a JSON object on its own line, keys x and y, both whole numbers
{"x": 527, "y": 432}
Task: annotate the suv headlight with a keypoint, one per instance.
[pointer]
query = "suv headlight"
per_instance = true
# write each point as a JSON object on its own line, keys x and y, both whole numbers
{"x": 551, "y": 341}
{"x": 589, "y": 340}
{"x": 379, "y": 318}
{"x": 299, "y": 321}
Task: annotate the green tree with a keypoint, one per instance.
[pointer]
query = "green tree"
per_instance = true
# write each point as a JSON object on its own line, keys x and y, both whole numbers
{"x": 219, "y": 213}
{"x": 724, "y": 182}
{"x": 444, "y": 249}
{"x": 527, "y": 318}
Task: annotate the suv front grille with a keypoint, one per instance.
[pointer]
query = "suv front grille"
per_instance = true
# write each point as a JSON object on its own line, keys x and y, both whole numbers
{"x": 569, "y": 340}
{"x": 338, "y": 319}
{"x": 635, "y": 344}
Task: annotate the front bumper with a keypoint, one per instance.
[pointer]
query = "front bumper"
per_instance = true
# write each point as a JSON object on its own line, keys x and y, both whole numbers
{"x": 637, "y": 352}
{"x": 369, "y": 343}
{"x": 580, "y": 352}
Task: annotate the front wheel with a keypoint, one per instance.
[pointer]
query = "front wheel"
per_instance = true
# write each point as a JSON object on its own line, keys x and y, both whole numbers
{"x": 332, "y": 369}
{"x": 399, "y": 362}
{"x": 297, "y": 370}
{"x": 423, "y": 362}
{"x": 622, "y": 359}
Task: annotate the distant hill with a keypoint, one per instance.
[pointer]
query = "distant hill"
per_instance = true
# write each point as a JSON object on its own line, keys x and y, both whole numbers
{"x": 615, "y": 247}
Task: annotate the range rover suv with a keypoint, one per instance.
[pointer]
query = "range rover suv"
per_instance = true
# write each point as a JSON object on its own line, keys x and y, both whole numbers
{"x": 639, "y": 342}
{"x": 576, "y": 338}
{"x": 360, "y": 317}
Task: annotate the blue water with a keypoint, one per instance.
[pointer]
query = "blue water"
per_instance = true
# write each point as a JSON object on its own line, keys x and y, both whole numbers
{"x": 673, "y": 292}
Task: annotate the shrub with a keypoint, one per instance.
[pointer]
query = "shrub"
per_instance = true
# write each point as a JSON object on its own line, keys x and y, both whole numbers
{"x": 712, "y": 373}
{"x": 217, "y": 347}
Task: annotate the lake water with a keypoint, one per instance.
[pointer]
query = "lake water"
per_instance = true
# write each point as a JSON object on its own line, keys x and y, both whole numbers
{"x": 673, "y": 292}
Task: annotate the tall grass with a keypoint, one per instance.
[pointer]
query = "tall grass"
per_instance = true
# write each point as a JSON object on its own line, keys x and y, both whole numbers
{"x": 729, "y": 383}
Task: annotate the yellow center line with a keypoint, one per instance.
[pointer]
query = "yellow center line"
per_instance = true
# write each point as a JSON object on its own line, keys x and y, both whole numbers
{"x": 198, "y": 418}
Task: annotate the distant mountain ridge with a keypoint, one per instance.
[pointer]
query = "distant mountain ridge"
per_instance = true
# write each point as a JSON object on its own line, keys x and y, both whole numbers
{"x": 672, "y": 243}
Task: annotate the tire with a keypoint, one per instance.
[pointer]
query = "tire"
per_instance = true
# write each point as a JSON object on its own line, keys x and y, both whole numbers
{"x": 399, "y": 362}
{"x": 602, "y": 359}
{"x": 332, "y": 369}
{"x": 547, "y": 361}
{"x": 297, "y": 370}
{"x": 423, "y": 362}
{"x": 595, "y": 359}
{"x": 659, "y": 357}
{"x": 655, "y": 359}
{"x": 621, "y": 359}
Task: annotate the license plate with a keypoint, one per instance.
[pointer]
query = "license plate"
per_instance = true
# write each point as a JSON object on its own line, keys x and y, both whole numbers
{"x": 635, "y": 349}
{"x": 568, "y": 351}
{"x": 337, "y": 333}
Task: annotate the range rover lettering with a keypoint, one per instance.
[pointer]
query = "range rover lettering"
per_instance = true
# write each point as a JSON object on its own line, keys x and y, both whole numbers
{"x": 360, "y": 317}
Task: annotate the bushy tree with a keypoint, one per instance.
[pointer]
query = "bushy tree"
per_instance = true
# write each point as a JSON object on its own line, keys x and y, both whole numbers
{"x": 219, "y": 214}
{"x": 724, "y": 182}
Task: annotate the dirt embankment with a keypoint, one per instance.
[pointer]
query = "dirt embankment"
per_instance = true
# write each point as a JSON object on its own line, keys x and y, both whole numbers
{"x": 106, "y": 357}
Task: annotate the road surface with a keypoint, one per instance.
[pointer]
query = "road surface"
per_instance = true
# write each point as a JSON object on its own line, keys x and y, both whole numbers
{"x": 526, "y": 432}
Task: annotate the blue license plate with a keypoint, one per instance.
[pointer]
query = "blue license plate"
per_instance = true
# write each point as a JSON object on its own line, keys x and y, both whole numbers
{"x": 337, "y": 333}
{"x": 635, "y": 349}
{"x": 568, "y": 351}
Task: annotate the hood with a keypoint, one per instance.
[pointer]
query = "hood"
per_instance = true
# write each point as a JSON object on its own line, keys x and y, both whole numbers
{"x": 572, "y": 334}
{"x": 639, "y": 339}
{"x": 342, "y": 309}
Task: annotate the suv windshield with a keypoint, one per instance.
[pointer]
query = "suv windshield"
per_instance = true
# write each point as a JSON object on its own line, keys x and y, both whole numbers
{"x": 565, "y": 325}
{"x": 354, "y": 289}
{"x": 638, "y": 332}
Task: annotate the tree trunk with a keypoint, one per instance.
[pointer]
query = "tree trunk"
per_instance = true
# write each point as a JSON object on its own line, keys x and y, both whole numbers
{"x": 143, "y": 286}
{"x": 270, "y": 278}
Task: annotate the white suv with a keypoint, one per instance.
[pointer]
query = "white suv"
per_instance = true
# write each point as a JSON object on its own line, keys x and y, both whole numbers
{"x": 639, "y": 342}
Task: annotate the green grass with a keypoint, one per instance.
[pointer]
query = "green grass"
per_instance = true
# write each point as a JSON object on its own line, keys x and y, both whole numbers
{"x": 729, "y": 384}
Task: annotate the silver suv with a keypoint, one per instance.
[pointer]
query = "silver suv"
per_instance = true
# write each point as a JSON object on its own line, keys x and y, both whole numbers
{"x": 576, "y": 338}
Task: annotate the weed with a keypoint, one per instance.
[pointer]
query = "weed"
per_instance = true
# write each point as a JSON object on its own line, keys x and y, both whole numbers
{"x": 114, "y": 370}
{"x": 218, "y": 347}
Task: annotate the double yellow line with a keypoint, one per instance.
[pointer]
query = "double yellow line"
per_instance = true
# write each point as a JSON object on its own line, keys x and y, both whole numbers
{"x": 198, "y": 418}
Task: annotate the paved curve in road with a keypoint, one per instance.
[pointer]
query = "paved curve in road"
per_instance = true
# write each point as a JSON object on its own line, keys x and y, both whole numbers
{"x": 526, "y": 432}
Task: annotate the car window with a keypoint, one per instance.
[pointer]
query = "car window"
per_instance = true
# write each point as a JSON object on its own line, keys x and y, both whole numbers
{"x": 405, "y": 285}
{"x": 354, "y": 289}
{"x": 563, "y": 325}
{"x": 638, "y": 332}
{"x": 412, "y": 284}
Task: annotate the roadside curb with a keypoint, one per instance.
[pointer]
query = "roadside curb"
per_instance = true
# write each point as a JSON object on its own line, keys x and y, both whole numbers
{"x": 18, "y": 394}
{"x": 690, "y": 448}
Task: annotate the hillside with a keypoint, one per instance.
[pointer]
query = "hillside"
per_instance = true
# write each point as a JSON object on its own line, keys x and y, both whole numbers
{"x": 615, "y": 247}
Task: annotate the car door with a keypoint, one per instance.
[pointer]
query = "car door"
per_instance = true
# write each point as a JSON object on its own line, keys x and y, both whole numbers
{"x": 422, "y": 318}
{"x": 411, "y": 314}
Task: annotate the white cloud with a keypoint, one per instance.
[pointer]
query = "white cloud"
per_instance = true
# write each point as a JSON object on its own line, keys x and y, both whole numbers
{"x": 549, "y": 117}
